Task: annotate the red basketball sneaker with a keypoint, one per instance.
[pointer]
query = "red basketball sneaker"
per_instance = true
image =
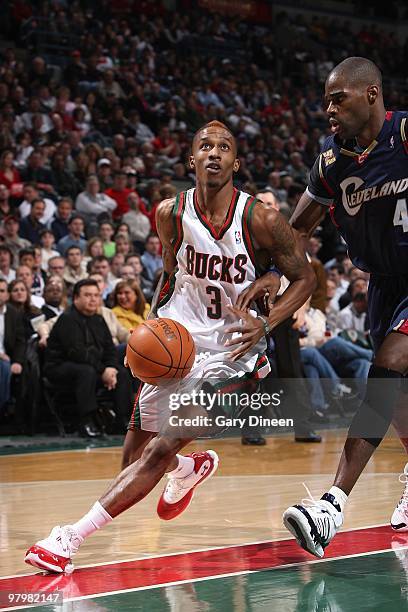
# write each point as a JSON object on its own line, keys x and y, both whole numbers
{"x": 55, "y": 553}
{"x": 179, "y": 491}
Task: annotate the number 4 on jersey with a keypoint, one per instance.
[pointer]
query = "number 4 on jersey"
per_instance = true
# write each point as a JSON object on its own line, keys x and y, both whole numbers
{"x": 401, "y": 215}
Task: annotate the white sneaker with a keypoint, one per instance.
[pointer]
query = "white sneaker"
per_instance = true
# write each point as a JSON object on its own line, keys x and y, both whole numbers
{"x": 55, "y": 553}
{"x": 399, "y": 519}
{"x": 315, "y": 523}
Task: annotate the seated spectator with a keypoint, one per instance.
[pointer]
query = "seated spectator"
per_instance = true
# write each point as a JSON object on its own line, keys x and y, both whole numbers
{"x": 336, "y": 274}
{"x": 29, "y": 258}
{"x": 47, "y": 251}
{"x": 117, "y": 262}
{"x": 129, "y": 304}
{"x": 5, "y": 206}
{"x": 166, "y": 145}
{"x": 81, "y": 356}
{"x": 340, "y": 254}
{"x": 20, "y": 298}
{"x": 123, "y": 228}
{"x": 297, "y": 168}
{"x": 60, "y": 224}
{"x": 25, "y": 273}
{"x": 30, "y": 193}
{"x": 329, "y": 357}
{"x": 12, "y": 239}
{"x": 120, "y": 334}
{"x": 31, "y": 225}
{"x": 331, "y": 313}
{"x": 65, "y": 181}
{"x": 354, "y": 316}
{"x": 119, "y": 192}
{"x": 123, "y": 245}
{"x": 181, "y": 180}
{"x": 6, "y": 259}
{"x": 146, "y": 286}
{"x": 94, "y": 247}
{"x": 76, "y": 228}
{"x": 12, "y": 344}
{"x": 104, "y": 173}
{"x": 151, "y": 259}
{"x": 106, "y": 232}
{"x": 268, "y": 197}
{"x": 55, "y": 297}
{"x": 56, "y": 266}
{"x": 138, "y": 223}
{"x": 127, "y": 272}
{"x": 9, "y": 175}
{"x": 91, "y": 203}
{"x": 100, "y": 265}
{"x": 35, "y": 172}
{"x": 358, "y": 284}
{"x": 74, "y": 270}
{"x": 24, "y": 148}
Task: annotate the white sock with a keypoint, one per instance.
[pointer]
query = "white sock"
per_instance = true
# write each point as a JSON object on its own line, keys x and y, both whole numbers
{"x": 185, "y": 467}
{"x": 339, "y": 495}
{"x": 96, "y": 518}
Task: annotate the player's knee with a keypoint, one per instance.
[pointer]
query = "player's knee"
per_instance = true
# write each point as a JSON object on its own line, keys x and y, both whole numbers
{"x": 393, "y": 360}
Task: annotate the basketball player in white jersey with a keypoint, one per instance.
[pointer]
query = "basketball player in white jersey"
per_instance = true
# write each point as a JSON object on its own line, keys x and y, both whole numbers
{"x": 212, "y": 238}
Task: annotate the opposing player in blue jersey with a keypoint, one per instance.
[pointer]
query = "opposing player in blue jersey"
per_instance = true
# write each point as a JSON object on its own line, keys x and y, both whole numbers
{"x": 362, "y": 176}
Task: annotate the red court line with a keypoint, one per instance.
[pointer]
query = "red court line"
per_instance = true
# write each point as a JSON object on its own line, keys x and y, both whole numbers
{"x": 192, "y": 566}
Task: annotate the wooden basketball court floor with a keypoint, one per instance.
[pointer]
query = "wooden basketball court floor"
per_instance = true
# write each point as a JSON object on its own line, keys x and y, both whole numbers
{"x": 229, "y": 551}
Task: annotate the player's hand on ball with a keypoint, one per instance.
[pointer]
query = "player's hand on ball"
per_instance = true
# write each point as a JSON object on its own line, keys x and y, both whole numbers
{"x": 251, "y": 330}
{"x": 266, "y": 287}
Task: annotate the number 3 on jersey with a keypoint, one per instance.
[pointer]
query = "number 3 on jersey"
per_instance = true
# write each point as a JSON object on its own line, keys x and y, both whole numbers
{"x": 214, "y": 311}
{"x": 401, "y": 215}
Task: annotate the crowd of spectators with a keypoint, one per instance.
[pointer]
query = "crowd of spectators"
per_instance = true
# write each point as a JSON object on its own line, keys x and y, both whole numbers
{"x": 95, "y": 135}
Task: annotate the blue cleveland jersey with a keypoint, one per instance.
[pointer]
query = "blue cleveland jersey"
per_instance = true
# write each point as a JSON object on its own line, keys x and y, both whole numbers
{"x": 367, "y": 192}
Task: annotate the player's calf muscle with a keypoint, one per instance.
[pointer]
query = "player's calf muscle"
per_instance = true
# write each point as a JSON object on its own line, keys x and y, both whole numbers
{"x": 160, "y": 451}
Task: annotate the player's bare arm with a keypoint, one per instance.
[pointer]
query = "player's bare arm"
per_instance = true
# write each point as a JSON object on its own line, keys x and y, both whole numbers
{"x": 272, "y": 233}
{"x": 306, "y": 217}
{"x": 165, "y": 230}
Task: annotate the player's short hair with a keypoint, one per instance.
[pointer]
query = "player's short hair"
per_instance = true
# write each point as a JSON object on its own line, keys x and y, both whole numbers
{"x": 210, "y": 124}
{"x": 358, "y": 70}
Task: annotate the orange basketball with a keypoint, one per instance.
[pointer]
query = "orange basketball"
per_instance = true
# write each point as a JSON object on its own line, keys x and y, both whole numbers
{"x": 159, "y": 350}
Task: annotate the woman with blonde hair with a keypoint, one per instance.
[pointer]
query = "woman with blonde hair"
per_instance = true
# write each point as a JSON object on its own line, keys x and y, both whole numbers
{"x": 129, "y": 304}
{"x": 123, "y": 244}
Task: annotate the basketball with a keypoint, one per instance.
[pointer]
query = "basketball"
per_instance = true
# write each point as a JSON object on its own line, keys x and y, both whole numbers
{"x": 160, "y": 349}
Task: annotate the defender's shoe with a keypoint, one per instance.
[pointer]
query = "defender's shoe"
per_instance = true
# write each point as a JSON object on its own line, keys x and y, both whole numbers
{"x": 399, "y": 519}
{"x": 315, "y": 523}
{"x": 179, "y": 492}
{"x": 55, "y": 553}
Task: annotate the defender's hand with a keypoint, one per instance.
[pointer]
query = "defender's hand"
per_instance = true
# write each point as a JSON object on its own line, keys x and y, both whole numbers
{"x": 251, "y": 330}
{"x": 266, "y": 287}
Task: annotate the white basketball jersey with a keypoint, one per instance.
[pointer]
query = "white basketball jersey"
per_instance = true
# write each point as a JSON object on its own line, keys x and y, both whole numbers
{"x": 213, "y": 268}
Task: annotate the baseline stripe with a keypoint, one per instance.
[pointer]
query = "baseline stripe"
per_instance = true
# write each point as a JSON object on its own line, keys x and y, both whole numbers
{"x": 183, "y": 567}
